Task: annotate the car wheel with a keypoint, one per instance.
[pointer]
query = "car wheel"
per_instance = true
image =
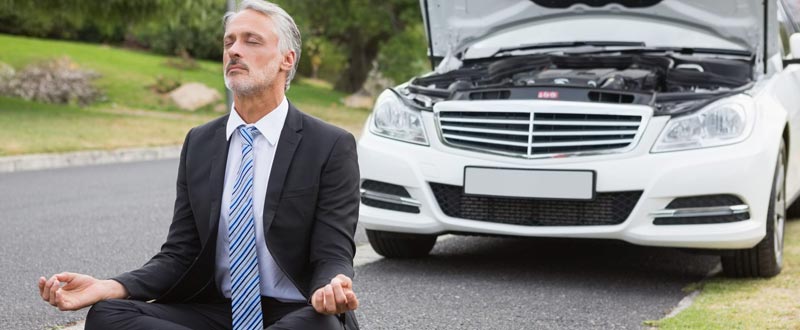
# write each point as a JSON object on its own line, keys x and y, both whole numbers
{"x": 400, "y": 245}
{"x": 766, "y": 258}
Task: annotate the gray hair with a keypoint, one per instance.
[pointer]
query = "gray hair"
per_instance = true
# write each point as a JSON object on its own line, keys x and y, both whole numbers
{"x": 287, "y": 31}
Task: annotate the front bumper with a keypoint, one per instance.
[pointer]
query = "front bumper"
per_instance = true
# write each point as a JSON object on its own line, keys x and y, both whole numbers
{"x": 744, "y": 170}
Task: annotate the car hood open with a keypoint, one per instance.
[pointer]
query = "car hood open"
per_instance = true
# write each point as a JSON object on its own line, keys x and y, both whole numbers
{"x": 480, "y": 28}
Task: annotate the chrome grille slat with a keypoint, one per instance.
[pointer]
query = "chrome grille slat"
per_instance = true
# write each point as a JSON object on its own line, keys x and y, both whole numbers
{"x": 584, "y": 123}
{"x": 545, "y": 133}
{"x": 580, "y": 143}
{"x": 487, "y": 121}
{"x": 526, "y": 132}
{"x": 583, "y": 133}
{"x": 492, "y": 131}
{"x": 474, "y": 139}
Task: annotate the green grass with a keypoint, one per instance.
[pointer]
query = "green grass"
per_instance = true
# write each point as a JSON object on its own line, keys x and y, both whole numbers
{"x": 30, "y": 127}
{"x": 729, "y": 304}
{"x": 125, "y": 75}
{"x": 132, "y": 114}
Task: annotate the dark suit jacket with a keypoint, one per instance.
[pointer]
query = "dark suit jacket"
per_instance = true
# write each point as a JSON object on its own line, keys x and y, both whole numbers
{"x": 310, "y": 211}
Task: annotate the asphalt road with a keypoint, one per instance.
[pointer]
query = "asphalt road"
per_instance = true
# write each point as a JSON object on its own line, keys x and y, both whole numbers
{"x": 103, "y": 220}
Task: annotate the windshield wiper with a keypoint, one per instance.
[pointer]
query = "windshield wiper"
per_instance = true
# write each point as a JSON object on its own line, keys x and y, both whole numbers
{"x": 678, "y": 50}
{"x": 563, "y": 44}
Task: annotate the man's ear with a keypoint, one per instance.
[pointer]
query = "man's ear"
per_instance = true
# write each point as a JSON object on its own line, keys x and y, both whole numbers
{"x": 288, "y": 60}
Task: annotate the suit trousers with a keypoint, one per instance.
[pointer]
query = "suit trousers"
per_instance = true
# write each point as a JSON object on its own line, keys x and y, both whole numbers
{"x": 125, "y": 314}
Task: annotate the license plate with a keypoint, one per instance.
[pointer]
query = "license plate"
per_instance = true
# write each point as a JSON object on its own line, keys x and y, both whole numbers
{"x": 546, "y": 184}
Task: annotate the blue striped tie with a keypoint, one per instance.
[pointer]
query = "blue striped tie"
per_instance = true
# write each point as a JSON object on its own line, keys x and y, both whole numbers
{"x": 245, "y": 291}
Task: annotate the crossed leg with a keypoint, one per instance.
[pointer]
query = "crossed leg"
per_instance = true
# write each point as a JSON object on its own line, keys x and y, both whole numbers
{"x": 135, "y": 315}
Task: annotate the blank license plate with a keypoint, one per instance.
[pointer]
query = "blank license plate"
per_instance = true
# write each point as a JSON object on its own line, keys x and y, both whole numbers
{"x": 550, "y": 184}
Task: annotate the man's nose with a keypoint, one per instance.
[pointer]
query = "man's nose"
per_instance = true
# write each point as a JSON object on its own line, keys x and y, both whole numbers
{"x": 234, "y": 51}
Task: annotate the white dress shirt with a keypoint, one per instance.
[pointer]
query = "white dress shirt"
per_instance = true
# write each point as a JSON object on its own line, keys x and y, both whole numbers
{"x": 274, "y": 282}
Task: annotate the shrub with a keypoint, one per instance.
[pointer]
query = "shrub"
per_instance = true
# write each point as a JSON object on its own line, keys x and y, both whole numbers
{"x": 57, "y": 80}
{"x": 165, "y": 85}
{"x": 6, "y": 72}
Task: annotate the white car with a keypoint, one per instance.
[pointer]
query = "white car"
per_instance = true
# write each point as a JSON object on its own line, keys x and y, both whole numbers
{"x": 667, "y": 123}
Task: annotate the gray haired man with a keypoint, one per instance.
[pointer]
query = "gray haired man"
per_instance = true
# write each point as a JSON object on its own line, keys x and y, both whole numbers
{"x": 265, "y": 212}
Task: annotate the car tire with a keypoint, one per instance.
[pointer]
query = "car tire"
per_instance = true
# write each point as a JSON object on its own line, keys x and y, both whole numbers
{"x": 400, "y": 245}
{"x": 766, "y": 258}
{"x": 793, "y": 211}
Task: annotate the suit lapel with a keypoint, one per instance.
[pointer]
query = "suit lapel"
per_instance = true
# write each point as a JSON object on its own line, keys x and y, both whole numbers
{"x": 219, "y": 149}
{"x": 284, "y": 153}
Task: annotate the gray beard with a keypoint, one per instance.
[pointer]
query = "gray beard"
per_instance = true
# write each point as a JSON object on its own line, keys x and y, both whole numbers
{"x": 245, "y": 89}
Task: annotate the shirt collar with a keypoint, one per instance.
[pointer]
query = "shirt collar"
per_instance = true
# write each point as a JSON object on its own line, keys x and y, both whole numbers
{"x": 270, "y": 125}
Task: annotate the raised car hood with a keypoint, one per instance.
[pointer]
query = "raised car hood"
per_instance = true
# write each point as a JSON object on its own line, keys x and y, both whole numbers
{"x": 456, "y": 25}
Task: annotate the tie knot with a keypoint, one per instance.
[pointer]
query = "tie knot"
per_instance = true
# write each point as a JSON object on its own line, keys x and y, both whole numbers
{"x": 248, "y": 133}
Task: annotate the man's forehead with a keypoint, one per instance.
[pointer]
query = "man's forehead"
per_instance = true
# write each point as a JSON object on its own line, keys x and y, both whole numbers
{"x": 249, "y": 22}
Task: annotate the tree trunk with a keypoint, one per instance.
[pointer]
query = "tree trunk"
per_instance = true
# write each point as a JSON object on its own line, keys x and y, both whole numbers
{"x": 315, "y": 71}
{"x": 359, "y": 63}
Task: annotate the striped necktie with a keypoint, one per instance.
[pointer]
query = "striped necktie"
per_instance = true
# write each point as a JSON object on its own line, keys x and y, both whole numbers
{"x": 245, "y": 280}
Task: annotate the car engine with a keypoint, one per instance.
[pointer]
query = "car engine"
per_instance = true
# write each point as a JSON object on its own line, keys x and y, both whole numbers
{"x": 671, "y": 77}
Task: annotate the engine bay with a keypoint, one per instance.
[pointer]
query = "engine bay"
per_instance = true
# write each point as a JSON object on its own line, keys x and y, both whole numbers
{"x": 660, "y": 81}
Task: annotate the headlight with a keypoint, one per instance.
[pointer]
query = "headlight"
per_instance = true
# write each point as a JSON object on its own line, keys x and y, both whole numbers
{"x": 393, "y": 119}
{"x": 726, "y": 122}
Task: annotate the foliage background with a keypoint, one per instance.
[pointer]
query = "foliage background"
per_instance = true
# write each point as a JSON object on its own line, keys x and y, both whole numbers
{"x": 342, "y": 39}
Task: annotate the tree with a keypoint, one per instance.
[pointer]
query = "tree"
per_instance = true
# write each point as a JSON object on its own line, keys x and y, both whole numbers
{"x": 185, "y": 28}
{"x": 166, "y": 26}
{"x": 358, "y": 26}
{"x": 49, "y": 17}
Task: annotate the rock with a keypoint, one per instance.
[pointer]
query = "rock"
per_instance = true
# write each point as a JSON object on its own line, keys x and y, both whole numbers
{"x": 222, "y": 107}
{"x": 194, "y": 95}
{"x": 360, "y": 99}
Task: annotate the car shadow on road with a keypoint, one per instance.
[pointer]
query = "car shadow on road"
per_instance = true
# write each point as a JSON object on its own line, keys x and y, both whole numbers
{"x": 516, "y": 283}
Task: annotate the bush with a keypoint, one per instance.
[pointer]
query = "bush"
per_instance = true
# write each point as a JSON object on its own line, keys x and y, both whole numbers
{"x": 165, "y": 85}
{"x": 193, "y": 28}
{"x": 53, "y": 81}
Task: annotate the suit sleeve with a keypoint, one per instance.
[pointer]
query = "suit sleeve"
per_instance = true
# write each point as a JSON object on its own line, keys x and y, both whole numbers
{"x": 178, "y": 252}
{"x": 336, "y": 215}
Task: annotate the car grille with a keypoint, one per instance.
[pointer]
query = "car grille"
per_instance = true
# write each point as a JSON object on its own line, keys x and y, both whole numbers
{"x": 534, "y": 134}
{"x": 609, "y": 208}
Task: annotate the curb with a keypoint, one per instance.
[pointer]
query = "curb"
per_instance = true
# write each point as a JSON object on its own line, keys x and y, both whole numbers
{"x": 83, "y": 158}
{"x": 687, "y": 301}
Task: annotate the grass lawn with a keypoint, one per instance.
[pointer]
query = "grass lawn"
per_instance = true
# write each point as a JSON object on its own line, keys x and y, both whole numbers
{"x": 729, "y": 304}
{"x": 30, "y": 127}
{"x": 125, "y": 75}
{"x": 133, "y": 115}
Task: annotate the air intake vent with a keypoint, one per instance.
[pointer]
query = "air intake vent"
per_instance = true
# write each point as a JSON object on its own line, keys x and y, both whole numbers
{"x": 705, "y": 201}
{"x": 393, "y": 192}
{"x": 605, "y": 97}
{"x": 490, "y": 95}
{"x": 607, "y": 209}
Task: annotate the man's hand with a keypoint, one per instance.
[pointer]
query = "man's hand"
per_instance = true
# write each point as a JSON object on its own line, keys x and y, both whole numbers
{"x": 335, "y": 298}
{"x": 78, "y": 290}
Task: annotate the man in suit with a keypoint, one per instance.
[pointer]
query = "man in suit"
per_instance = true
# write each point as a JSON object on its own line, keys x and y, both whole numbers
{"x": 266, "y": 208}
